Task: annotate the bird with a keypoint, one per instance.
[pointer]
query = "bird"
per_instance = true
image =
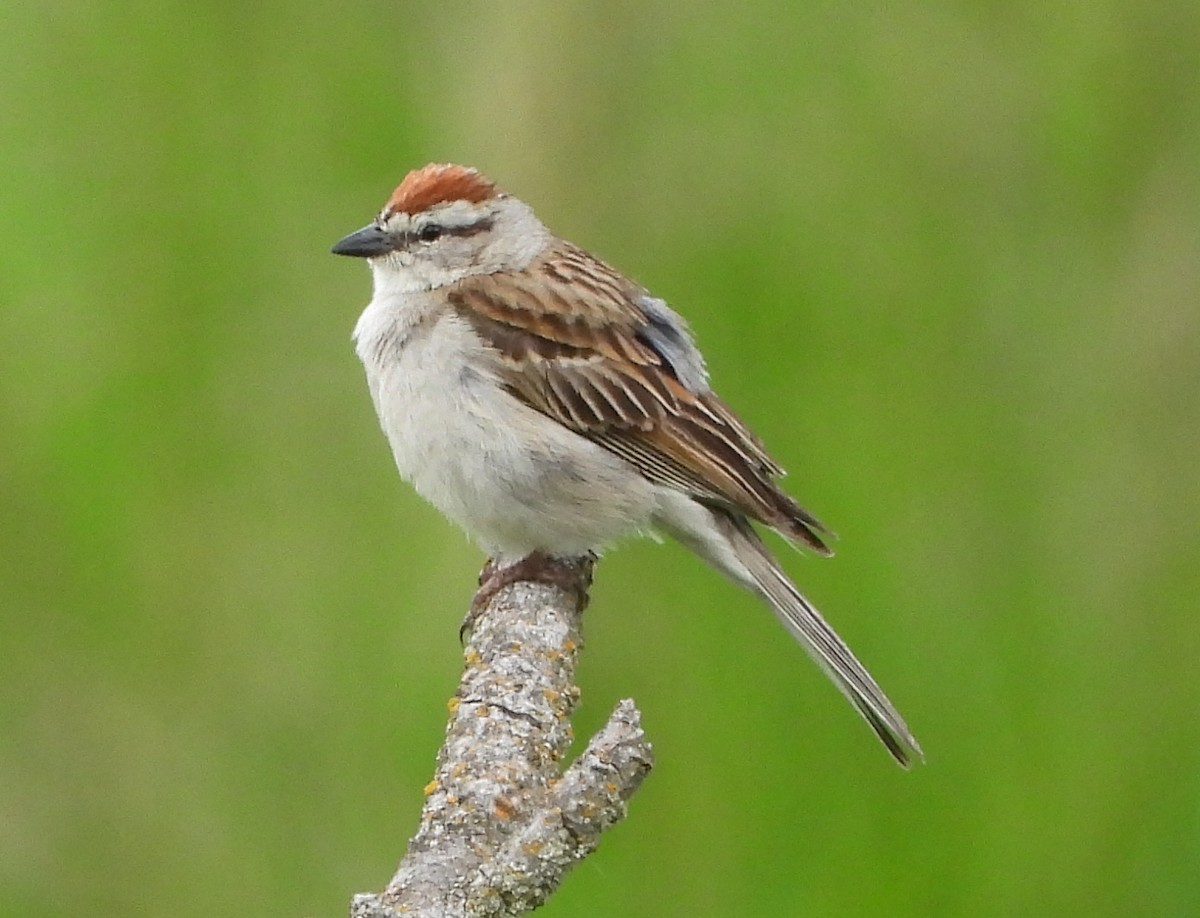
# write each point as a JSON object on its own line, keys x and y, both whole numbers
{"x": 548, "y": 404}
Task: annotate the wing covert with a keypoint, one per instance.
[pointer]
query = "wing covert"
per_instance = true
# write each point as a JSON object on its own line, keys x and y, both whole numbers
{"x": 587, "y": 347}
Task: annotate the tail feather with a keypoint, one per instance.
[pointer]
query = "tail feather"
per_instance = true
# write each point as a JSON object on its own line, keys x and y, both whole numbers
{"x": 820, "y": 640}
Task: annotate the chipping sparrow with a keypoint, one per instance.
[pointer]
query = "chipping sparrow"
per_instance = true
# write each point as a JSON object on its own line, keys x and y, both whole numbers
{"x": 546, "y": 403}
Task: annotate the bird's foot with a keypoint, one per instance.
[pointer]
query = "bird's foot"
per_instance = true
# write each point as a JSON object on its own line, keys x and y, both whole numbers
{"x": 573, "y": 575}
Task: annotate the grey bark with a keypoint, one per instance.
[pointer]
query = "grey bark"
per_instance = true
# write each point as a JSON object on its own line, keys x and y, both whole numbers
{"x": 502, "y": 821}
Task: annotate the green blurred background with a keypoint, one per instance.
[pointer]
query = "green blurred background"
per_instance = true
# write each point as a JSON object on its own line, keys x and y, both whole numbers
{"x": 944, "y": 257}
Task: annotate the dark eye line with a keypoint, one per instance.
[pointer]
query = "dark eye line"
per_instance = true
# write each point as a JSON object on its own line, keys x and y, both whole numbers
{"x": 431, "y": 232}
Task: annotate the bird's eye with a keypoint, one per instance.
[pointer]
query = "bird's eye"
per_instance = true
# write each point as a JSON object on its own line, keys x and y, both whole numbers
{"x": 430, "y": 232}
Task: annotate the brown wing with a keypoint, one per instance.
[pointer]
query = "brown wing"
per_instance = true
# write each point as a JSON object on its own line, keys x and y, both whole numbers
{"x": 574, "y": 344}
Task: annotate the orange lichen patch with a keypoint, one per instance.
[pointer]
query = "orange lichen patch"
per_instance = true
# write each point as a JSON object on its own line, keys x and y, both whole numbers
{"x": 430, "y": 787}
{"x": 453, "y": 703}
{"x": 502, "y": 808}
{"x": 438, "y": 183}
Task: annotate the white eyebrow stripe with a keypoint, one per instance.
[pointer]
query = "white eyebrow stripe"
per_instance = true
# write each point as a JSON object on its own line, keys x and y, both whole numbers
{"x": 454, "y": 214}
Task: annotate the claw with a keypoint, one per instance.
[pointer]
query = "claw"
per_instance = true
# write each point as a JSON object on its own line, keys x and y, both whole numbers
{"x": 574, "y": 575}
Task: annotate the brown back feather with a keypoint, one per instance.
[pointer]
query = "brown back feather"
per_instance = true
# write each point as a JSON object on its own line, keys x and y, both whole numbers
{"x": 589, "y": 370}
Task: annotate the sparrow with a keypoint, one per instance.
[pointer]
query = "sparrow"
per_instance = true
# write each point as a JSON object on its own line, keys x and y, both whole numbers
{"x": 546, "y": 403}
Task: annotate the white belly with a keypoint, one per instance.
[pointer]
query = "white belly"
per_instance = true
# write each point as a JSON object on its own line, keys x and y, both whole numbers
{"x": 512, "y": 478}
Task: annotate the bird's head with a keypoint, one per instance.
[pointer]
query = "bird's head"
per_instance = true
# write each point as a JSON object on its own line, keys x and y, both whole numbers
{"x": 442, "y": 223}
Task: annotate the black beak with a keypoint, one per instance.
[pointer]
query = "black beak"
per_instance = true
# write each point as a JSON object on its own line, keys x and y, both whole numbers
{"x": 366, "y": 243}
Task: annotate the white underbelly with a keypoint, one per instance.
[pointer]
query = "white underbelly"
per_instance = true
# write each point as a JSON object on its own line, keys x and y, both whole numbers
{"x": 515, "y": 480}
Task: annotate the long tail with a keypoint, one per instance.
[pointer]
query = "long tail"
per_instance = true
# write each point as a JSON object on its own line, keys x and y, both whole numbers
{"x": 821, "y": 641}
{"x": 740, "y": 554}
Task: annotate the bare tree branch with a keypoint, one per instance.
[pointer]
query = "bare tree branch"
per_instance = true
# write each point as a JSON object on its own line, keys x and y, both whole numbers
{"x": 502, "y": 821}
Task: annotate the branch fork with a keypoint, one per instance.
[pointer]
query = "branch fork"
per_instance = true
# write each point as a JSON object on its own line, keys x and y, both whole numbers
{"x": 502, "y": 821}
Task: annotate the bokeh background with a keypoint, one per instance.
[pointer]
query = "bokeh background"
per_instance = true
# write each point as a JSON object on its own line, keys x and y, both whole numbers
{"x": 944, "y": 257}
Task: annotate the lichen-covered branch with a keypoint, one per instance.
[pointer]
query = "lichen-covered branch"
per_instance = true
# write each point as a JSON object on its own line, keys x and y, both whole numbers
{"x": 503, "y": 822}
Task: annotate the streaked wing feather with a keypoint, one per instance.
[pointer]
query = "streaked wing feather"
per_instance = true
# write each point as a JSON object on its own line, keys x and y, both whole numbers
{"x": 588, "y": 367}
